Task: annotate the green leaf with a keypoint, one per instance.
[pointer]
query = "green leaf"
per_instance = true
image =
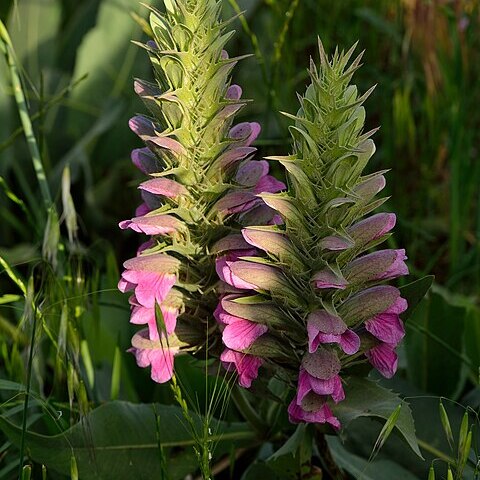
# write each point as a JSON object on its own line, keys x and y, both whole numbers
{"x": 362, "y": 469}
{"x": 261, "y": 471}
{"x": 365, "y": 398}
{"x": 434, "y": 345}
{"x": 472, "y": 337}
{"x": 13, "y": 386}
{"x": 414, "y": 293}
{"x": 294, "y": 455}
{"x": 118, "y": 441}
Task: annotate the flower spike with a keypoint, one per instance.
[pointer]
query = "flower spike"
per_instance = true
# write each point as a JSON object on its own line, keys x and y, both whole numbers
{"x": 201, "y": 183}
{"x": 316, "y": 266}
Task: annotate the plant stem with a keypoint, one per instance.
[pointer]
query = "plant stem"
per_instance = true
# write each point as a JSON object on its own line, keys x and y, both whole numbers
{"x": 331, "y": 468}
{"x": 27, "y": 392}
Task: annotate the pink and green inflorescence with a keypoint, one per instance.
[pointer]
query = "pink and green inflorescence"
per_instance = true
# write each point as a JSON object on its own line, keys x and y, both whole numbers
{"x": 201, "y": 182}
{"x": 308, "y": 297}
{"x": 273, "y": 280}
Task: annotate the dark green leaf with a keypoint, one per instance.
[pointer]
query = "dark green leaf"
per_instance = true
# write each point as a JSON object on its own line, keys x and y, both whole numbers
{"x": 365, "y": 398}
{"x": 414, "y": 293}
{"x": 118, "y": 441}
{"x": 363, "y": 469}
{"x": 434, "y": 345}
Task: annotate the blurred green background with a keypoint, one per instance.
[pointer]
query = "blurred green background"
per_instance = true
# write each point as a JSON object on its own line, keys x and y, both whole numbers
{"x": 77, "y": 67}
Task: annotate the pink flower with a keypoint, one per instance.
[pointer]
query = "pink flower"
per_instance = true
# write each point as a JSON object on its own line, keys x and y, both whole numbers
{"x": 384, "y": 358}
{"x": 246, "y": 131}
{"x": 239, "y": 333}
{"x": 163, "y": 186}
{"x": 150, "y": 276}
{"x": 380, "y": 265}
{"x": 323, "y": 327}
{"x": 146, "y": 316}
{"x": 144, "y": 159}
{"x": 156, "y": 355}
{"x": 308, "y": 383}
{"x": 253, "y": 176}
{"x": 372, "y": 227}
{"x": 246, "y": 366}
{"x": 329, "y": 279}
{"x": 323, "y": 414}
{"x": 387, "y": 326}
{"x": 141, "y": 210}
{"x": 223, "y": 266}
{"x": 153, "y": 224}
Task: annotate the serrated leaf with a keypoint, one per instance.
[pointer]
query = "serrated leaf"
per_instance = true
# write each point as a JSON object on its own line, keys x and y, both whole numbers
{"x": 362, "y": 469}
{"x": 365, "y": 398}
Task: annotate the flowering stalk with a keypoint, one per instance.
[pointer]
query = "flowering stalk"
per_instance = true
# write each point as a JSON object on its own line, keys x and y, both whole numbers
{"x": 309, "y": 296}
{"x": 201, "y": 181}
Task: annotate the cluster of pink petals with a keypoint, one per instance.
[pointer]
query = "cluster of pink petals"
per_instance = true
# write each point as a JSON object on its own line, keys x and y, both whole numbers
{"x": 323, "y": 327}
{"x": 318, "y": 382}
{"x": 238, "y": 334}
{"x": 321, "y": 385}
{"x": 388, "y": 329}
{"x": 149, "y": 278}
{"x": 246, "y": 366}
{"x": 151, "y": 288}
{"x": 254, "y": 178}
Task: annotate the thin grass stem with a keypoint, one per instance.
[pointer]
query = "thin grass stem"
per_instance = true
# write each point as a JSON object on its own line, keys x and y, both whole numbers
{"x": 19, "y": 95}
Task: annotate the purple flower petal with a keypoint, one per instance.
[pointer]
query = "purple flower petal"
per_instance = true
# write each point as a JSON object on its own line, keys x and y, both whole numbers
{"x": 308, "y": 383}
{"x": 235, "y": 241}
{"x": 234, "y": 92}
{"x": 223, "y": 266}
{"x": 251, "y": 172}
{"x": 163, "y": 186}
{"x": 141, "y": 210}
{"x": 335, "y": 243}
{"x": 372, "y": 227}
{"x": 350, "y": 342}
{"x": 386, "y": 327}
{"x": 324, "y": 414}
{"x": 384, "y": 358}
{"x": 233, "y": 155}
{"x": 237, "y": 202}
{"x": 380, "y": 265}
{"x": 166, "y": 143}
{"x": 329, "y": 279}
{"x": 142, "y": 126}
{"x": 246, "y": 131}
{"x": 240, "y": 334}
{"x": 246, "y": 366}
{"x": 153, "y": 224}
{"x": 269, "y": 184}
{"x": 144, "y": 159}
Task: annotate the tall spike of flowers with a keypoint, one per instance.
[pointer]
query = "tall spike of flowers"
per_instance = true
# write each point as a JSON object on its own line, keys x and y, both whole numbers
{"x": 201, "y": 181}
{"x": 314, "y": 302}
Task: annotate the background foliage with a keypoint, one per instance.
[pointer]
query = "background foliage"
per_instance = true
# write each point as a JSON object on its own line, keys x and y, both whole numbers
{"x": 77, "y": 65}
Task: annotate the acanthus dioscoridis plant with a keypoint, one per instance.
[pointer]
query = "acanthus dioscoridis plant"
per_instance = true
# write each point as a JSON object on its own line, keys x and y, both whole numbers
{"x": 276, "y": 282}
